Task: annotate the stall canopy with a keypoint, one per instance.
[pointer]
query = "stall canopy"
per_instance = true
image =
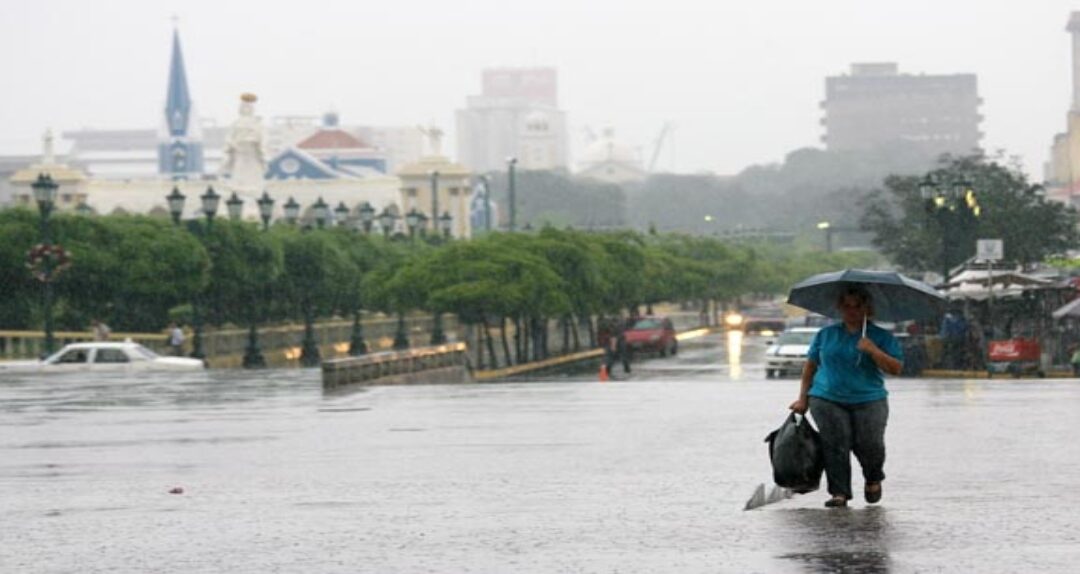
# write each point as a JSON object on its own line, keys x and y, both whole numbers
{"x": 975, "y": 284}
{"x": 1070, "y": 309}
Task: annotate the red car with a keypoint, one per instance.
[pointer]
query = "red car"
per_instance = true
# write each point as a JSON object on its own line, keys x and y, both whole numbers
{"x": 652, "y": 334}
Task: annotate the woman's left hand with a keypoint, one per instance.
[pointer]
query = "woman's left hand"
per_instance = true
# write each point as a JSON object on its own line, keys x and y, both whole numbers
{"x": 866, "y": 345}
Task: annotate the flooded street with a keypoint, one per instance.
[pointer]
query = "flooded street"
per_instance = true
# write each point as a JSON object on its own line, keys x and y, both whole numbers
{"x": 645, "y": 474}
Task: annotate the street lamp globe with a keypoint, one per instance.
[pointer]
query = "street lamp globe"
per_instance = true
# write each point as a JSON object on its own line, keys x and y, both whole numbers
{"x": 341, "y": 212}
{"x": 321, "y": 211}
{"x": 266, "y": 208}
{"x": 412, "y": 220}
{"x": 84, "y": 209}
{"x": 927, "y": 188}
{"x": 235, "y": 207}
{"x": 176, "y": 204}
{"x": 446, "y": 221}
{"x": 386, "y": 220}
{"x": 367, "y": 216}
{"x": 292, "y": 211}
{"x": 210, "y": 201}
{"x": 44, "y": 190}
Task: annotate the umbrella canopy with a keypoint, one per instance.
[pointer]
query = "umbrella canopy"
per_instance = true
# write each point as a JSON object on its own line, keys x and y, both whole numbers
{"x": 895, "y": 297}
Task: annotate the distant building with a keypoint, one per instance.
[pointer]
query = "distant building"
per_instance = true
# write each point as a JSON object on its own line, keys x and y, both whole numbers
{"x": 1063, "y": 168}
{"x": 180, "y": 153}
{"x": 876, "y": 106}
{"x": 608, "y": 160}
{"x": 516, "y": 115}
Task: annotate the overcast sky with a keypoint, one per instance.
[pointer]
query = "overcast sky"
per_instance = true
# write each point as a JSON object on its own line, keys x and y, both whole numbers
{"x": 741, "y": 81}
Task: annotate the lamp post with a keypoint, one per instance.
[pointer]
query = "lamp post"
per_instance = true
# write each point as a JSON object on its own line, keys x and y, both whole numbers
{"x": 367, "y": 217}
{"x": 266, "y": 209}
{"x": 949, "y": 203}
{"x": 511, "y": 164}
{"x": 176, "y": 204}
{"x": 83, "y": 209}
{"x": 386, "y": 221}
{"x": 435, "y": 200}
{"x": 235, "y": 207}
{"x": 253, "y": 357}
{"x": 45, "y": 195}
{"x": 321, "y": 211}
{"x": 341, "y": 213}
{"x": 210, "y": 201}
{"x": 486, "y": 182}
{"x": 292, "y": 211}
{"x": 827, "y": 228}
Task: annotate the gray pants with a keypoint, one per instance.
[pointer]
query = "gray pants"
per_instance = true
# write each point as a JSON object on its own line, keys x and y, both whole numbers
{"x": 847, "y": 429}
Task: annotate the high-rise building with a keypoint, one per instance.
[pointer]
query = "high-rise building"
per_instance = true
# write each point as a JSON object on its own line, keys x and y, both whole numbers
{"x": 1063, "y": 168}
{"x": 516, "y": 115}
{"x": 877, "y": 106}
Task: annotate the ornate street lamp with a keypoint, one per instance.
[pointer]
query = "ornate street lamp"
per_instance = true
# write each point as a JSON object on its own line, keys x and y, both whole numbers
{"x": 83, "y": 209}
{"x": 947, "y": 201}
{"x": 321, "y": 211}
{"x": 511, "y": 164}
{"x": 446, "y": 222}
{"x": 386, "y": 221}
{"x": 253, "y": 357}
{"x": 235, "y": 207}
{"x": 266, "y": 209}
{"x": 292, "y": 211}
{"x": 412, "y": 221}
{"x": 45, "y": 195}
{"x": 176, "y": 204}
{"x": 367, "y": 217}
{"x": 210, "y": 201}
{"x": 341, "y": 213}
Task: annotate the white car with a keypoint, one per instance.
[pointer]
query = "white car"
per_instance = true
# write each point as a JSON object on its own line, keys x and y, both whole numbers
{"x": 105, "y": 356}
{"x": 788, "y": 353}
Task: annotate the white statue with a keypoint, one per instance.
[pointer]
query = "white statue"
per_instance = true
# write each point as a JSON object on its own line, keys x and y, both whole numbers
{"x": 48, "y": 156}
{"x": 434, "y": 136}
{"x": 245, "y": 161}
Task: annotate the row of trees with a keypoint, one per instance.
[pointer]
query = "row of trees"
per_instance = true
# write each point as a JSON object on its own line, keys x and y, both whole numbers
{"x": 138, "y": 273}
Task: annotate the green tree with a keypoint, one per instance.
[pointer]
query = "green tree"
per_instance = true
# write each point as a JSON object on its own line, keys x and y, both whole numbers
{"x": 918, "y": 236}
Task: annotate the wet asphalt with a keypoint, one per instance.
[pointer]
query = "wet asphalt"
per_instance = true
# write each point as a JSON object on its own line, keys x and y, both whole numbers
{"x": 645, "y": 473}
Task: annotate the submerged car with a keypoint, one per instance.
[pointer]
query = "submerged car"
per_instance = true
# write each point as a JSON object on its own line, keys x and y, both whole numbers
{"x": 788, "y": 353}
{"x": 105, "y": 356}
{"x": 655, "y": 334}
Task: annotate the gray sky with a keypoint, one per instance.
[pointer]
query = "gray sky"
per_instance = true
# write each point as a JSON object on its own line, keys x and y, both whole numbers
{"x": 741, "y": 80}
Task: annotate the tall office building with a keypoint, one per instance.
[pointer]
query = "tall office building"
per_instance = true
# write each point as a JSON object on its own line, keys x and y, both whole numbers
{"x": 877, "y": 106}
{"x": 1063, "y": 168}
{"x": 516, "y": 115}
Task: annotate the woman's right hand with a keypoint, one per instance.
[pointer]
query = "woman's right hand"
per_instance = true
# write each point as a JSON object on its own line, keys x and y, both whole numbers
{"x": 800, "y": 406}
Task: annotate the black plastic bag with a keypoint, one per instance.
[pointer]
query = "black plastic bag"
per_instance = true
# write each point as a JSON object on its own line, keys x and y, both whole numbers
{"x": 796, "y": 454}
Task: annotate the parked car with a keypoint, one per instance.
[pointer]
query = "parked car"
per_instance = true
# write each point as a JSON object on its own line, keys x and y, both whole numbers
{"x": 788, "y": 353}
{"x": 652, "y": 334}
{"x": 105, "y": 356}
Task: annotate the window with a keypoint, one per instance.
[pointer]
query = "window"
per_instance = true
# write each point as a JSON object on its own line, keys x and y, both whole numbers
{"x": 73, "y": 356}
{"x": 110, "y": 356}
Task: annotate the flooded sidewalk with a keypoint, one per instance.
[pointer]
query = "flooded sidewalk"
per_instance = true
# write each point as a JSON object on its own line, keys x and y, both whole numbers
{"x": 646, "y": 475}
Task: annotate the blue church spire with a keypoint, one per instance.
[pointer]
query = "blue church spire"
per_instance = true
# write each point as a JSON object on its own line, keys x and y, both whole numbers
{"x": 180, "y": 153}
{"x": 177, "y": 100}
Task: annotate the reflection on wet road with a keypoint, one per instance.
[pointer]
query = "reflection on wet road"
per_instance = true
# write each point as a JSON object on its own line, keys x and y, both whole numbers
{"x": 644, "y": 474}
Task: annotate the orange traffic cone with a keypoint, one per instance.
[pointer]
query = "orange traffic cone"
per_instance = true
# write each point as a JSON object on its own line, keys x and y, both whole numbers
{"x": 603, "y": 373}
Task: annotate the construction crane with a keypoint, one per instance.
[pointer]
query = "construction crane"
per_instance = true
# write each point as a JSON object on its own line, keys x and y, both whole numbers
{"x": 658, "y": 144}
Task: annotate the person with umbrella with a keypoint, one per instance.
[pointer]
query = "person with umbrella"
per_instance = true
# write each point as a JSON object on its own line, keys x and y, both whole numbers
{"x": 842, "y": 382}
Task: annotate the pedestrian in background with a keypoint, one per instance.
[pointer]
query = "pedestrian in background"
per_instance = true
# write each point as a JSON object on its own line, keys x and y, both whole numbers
{"x": 176, "y": 339}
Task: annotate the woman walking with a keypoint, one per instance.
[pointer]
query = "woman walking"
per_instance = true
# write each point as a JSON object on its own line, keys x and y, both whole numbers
{"x": 844, "y": 388}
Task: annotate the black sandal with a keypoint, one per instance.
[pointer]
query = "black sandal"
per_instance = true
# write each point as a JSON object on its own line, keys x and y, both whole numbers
{"x": 872, "y": 496}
